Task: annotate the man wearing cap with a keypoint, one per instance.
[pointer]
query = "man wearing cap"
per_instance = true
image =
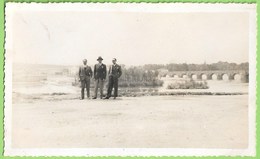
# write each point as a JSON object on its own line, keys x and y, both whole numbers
{"x": 114, "y": 73}
{"x": 100, "y": 73}
{"x": 85, "y": 73}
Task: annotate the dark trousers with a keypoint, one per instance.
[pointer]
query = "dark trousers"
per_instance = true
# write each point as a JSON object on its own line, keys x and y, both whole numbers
{"x": 99, "y": 83}
{"x": 85, "y": 84}
{"x": 112, "y": 83}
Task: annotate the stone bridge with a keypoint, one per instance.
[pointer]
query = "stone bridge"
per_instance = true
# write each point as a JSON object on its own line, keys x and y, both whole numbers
{"x": 209, "y": 75}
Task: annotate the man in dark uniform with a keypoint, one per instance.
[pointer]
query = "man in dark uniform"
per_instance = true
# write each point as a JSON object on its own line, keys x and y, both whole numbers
{"x": 100, "y": 73}
{"x": 114, "y": 73}
{"x": 85, "y": 73}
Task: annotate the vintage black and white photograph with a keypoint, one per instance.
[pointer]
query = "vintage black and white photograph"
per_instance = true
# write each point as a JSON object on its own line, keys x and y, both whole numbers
{"x": 130, "y": 79}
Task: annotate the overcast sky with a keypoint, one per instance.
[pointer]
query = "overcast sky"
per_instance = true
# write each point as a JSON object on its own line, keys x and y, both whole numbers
{"x": 134, "y": 38}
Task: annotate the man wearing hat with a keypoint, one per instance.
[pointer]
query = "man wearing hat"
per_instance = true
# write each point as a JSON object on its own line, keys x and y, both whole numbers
{"x": 114, "y": 73}
{"x": 85, "y": 73}
{"x": 100, "y": 73}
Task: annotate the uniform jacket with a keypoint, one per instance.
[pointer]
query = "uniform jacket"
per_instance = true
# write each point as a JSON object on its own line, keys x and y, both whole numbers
{"x": 100, "y": 71}
{"x": 115, "y": 71}
{"x": 85, "y": 72}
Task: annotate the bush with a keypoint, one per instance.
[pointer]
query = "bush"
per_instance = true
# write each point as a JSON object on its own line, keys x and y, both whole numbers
{"x": 152, "y": 83}
{"x": 191, "y": 84}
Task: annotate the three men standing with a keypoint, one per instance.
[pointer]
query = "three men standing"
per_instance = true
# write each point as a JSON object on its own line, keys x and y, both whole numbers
{"x": 100, "y": 72}
{"x": 114, "y": 73}
{"x": 85, "y": 73}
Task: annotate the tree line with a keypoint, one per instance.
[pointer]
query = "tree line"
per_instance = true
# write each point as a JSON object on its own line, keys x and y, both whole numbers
{"x": 198, "y": 67}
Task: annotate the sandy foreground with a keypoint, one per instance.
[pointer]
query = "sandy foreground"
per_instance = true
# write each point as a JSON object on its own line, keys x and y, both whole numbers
{"x": 133, "y": 122}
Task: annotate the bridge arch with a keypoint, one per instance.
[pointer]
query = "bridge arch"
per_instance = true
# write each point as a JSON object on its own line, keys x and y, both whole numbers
{"x": 215, "y": 76}
{"x": 236, "y": 76}
{"x": 204, "y": 76}
{"x": 194, "y": 76}
{"x": 241, "y": 76}
{"x": 225, "y": 77}
{"x": 175, "y": 76}
{"x": 212, "y": 76}
{"x": 184, "y": 75}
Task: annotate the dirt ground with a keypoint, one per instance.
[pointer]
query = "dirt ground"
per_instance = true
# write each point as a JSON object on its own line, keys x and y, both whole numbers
{"x": 138, "y": 122}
